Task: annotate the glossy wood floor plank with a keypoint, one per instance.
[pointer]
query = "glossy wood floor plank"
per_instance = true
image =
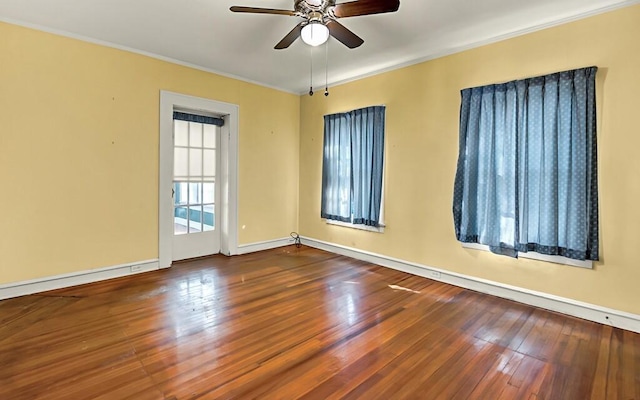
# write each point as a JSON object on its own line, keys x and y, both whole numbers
{"x": 301, "y": 323}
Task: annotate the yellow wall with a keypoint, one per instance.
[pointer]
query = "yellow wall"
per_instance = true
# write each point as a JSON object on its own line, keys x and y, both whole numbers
{"x": 79, "y": 153}
{"x": 421, "y": 153}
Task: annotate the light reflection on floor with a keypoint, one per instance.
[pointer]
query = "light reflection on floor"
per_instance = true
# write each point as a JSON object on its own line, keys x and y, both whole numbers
{"x": 200, "y": 298}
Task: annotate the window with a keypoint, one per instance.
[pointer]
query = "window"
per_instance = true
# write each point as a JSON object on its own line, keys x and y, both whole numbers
{"x": 352, "y": 166}
{"x": 527, "y": 166}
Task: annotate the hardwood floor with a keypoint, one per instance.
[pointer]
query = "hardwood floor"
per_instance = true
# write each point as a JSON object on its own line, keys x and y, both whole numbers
{"x": 301, "y": 323}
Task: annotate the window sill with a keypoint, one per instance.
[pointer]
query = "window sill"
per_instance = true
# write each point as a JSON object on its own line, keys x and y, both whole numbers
{"x": 380, "y": 229}
{"x": 540, "y": 257}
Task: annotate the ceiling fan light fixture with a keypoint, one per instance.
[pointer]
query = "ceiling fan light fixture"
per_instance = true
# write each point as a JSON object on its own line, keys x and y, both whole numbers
{"x": 314, "y": 33}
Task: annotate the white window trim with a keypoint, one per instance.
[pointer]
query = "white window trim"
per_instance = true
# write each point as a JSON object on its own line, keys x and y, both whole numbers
{"x": 537, "y": 256}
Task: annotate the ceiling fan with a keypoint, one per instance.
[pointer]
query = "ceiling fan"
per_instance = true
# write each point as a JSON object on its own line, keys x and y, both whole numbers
{"x": 320, "y": 19}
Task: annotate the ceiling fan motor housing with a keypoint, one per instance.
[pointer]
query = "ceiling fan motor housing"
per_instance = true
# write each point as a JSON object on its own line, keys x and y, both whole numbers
{"x": 315, "y": 10}
{"x": 315, "y": 17}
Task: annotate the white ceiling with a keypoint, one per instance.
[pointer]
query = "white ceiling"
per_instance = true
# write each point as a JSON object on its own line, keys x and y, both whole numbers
{"x": 205, "y": 34}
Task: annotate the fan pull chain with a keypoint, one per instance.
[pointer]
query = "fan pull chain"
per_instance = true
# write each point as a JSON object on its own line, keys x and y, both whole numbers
{"x": 311, "y": 68}
{"x": 326, "y": 68}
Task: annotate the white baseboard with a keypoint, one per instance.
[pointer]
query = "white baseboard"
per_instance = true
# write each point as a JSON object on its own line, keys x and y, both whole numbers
{"x": 591, "y": 312}
{"x": 23, "y": 288}
{"x": 265, "y": 245}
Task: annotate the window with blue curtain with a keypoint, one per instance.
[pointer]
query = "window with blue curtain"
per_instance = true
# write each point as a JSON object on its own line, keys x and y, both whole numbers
{"x": 526, "y": 177}
{"x": 352, "y": 166}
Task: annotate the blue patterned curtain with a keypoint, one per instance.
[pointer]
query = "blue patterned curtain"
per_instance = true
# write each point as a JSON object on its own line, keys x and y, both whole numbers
{"x": 336, "y": 168}
{"x": 352, "y": 166}
{"x": 527, "y": 166}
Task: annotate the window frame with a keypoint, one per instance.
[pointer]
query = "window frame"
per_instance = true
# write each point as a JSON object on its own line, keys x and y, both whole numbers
{"x": 532, "y": 255}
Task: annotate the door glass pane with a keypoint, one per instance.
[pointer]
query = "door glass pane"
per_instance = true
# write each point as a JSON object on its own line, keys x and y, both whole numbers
{"x": 195, "y": 134}
{"x": 194, "y": 177}
{"x": 195, "y": 219}
{"x": 180, "y": 193}
{"x": 195, "y": 193}
{"x": 208, "y": 222}
{"x": 209, "y": 163}
{"x": 195, "y": 162}
{"x": 209, "y": 136}
{"x": 208, "y": 192}
{"x": 181, "y": 132}
{"x": 180, "y": 162}
{"x": 180, "y": 223}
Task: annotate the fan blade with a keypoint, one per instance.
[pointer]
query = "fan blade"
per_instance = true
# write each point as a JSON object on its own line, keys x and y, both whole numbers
{"x": 262, "y": 10}
{"x": 289, "y": 38}
{"x": 365, "y": 7}
{"x": 344, "y": 35}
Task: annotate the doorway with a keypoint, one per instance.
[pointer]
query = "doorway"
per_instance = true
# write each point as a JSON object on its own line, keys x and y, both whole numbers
{"x": 198, "y": 177}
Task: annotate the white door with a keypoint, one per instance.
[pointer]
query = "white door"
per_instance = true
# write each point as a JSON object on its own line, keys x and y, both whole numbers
{"x": 196, "y": 202}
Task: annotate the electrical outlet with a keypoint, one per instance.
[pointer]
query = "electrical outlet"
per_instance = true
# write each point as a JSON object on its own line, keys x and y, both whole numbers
{"x": 434, "y": 274}
{"x": 136, "y": 268}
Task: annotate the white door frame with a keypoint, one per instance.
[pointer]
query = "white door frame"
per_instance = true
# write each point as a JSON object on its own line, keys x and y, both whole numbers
{"x": 226, "y": 179}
